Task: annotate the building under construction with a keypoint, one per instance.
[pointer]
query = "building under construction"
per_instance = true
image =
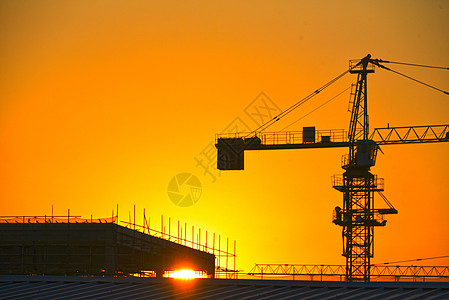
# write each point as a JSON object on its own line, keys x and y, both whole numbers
{"x": 92, "y": 248}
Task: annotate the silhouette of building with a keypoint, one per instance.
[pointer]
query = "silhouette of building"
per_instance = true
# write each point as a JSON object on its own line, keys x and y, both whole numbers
{"x": 50, "y": 248}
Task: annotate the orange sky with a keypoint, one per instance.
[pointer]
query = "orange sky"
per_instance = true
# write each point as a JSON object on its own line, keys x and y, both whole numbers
{"x": 103, "y": 102}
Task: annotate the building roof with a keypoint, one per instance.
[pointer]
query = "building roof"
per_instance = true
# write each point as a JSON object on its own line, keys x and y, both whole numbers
{"x": 73, "y": 287}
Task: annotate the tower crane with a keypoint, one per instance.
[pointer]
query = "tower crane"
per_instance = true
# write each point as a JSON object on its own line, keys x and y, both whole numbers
{"x": 358, "y": 216}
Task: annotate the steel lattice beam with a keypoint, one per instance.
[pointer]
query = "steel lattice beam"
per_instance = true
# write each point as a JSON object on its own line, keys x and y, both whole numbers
{"x": 411, "y": 134}
{"x": 397, "y": 272}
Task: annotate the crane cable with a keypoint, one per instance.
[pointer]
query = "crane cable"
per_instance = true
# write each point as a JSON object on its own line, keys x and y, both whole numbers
{"x": 296, "y": 105}
{"x": 305, "y": 99}
{"x": 409, "y": 64}
{"x": 317, "y": 107}
{"x": 375, "y": 62}
{"x": 408, "y": 260}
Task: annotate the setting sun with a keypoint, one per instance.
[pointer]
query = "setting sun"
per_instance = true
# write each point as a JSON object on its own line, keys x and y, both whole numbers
{"x": 185, "y": 274}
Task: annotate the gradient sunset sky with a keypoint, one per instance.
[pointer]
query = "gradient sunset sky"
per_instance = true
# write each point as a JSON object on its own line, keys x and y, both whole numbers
{"x": 104, "y": 102}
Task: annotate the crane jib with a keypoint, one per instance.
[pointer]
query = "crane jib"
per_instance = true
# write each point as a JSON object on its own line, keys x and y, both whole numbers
{"x": 232, "y": 146}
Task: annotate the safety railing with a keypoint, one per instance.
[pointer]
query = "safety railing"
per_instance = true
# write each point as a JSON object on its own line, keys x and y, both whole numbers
{"x": 357, "y": 183}
{"x": 290, "y": 137}
{"x": 375, "y": 219}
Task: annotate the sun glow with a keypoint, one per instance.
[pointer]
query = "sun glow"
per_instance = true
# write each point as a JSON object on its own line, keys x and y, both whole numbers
{"x": 185, "y": 274}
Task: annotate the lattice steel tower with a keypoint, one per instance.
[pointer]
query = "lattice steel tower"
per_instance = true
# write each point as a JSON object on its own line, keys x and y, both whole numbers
{"x": 358, "y": 216}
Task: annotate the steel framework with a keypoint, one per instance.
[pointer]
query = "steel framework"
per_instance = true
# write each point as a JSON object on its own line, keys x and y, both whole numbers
{"x": 358, "y": 184}
{"x": 357, "y": 215}
{"x": 410, "y": 134}
{"x": 384, "y": 271}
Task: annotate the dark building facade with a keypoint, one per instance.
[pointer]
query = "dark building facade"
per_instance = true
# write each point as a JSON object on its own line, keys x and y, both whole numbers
{"x": 92, "y": 249}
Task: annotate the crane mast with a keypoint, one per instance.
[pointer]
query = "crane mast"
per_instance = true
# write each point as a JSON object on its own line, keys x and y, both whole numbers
{"x": 358, "y": 215}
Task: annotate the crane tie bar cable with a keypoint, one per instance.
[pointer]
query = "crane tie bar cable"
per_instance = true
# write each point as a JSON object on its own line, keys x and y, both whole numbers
{"x": 316, "y": 108}
{"x": 373, "y": 61}
{"x": 296, "y": 105}
{"x": 409, "y": 260}
{"x": 409, "y": 64}
{"x": 411, "y": 78}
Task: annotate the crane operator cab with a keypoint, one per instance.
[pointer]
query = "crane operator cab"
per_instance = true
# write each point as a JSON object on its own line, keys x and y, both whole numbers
{"x": 366, "y": 153}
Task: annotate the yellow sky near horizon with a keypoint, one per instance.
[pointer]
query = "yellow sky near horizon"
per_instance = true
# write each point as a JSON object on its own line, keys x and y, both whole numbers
{"x": 104, "y": 102}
